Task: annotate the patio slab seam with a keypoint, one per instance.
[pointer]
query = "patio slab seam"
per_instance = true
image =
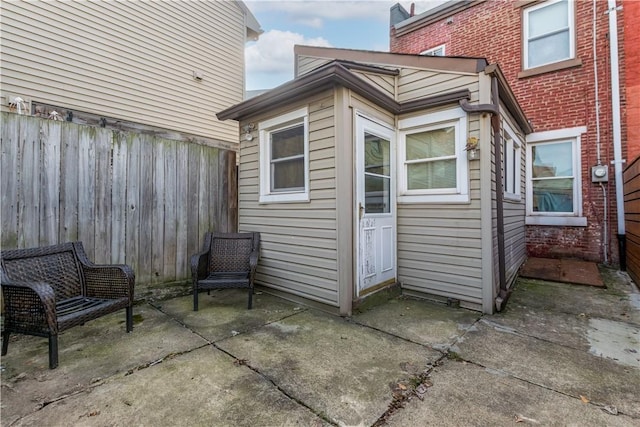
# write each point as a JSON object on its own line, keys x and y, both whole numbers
{"x": 456, "y": 358}
{"x": 442, "y": 349}
{"x": 243, "y": 362}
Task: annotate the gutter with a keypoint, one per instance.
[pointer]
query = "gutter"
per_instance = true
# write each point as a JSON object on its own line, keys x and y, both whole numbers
{"x": 494, "y": 110}
{"x": 617, "y": 136}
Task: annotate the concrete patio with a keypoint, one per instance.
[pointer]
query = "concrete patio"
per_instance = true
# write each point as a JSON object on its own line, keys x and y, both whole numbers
{"x": 558, "y": 355}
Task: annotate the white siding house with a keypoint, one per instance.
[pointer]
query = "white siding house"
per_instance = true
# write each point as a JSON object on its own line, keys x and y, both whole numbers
{"x": 165, "y": 65}
{"x": 357, "y": 175}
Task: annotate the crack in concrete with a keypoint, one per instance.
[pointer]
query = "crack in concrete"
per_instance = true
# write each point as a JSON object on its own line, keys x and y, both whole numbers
{"x": 242, "y": 362}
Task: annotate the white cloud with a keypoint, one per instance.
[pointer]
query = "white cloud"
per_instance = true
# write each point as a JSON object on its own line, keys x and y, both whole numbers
{"x": 313, "y": 13}
{"x": 269, "y": 61}
{"x": 273, "y": 52}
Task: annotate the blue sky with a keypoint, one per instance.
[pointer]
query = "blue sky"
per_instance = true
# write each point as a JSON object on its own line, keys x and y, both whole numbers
{"x": 357, "y": 24}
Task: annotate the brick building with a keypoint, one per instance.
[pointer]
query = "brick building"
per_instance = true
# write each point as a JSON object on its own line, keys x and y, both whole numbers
{"x": 557, "y": 56}
{"x": 632, "y": 75}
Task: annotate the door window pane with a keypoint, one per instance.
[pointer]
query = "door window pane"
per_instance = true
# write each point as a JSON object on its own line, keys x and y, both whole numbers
{"x": 377, "y": 175}
{"x": 377, "y": 155}
{"x": 377, "y": 194}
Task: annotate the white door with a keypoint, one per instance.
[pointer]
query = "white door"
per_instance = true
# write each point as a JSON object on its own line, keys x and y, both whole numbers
{"x": 375, "y": 209}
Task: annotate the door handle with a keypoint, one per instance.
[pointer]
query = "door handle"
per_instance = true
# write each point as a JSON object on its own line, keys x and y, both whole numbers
{"x": 360, "y": 210}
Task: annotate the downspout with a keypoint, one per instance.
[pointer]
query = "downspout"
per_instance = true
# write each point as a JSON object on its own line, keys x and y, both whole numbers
{"x": 617, "y": 136}
{"x": 494, "y": 110}
{"x": 605, "y": 226}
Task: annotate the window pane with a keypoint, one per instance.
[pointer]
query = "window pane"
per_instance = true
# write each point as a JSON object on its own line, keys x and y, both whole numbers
{"x": 377, "y": 155}
{"x": 287, "y": 142}
{"x": 548, "y": 19}
{"x": 553, "y": 195}
{"x": 432, "y": 175}
{"x": 551, "y": 160}
{"x": 433, "y": 143}
{"x": 288, "y": 175}
{"x": 377, "y": 195}
{"x": 549, "y": 49}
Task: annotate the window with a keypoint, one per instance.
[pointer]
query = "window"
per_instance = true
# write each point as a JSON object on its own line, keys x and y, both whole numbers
{"x": 512, "y": 155}
{"x": 553, "y": 178}
{"x": 435, "y": 51}
{"x": 431, "y": 158}
{"x": 549, "y": 33}
{"x": 284, "y": 154}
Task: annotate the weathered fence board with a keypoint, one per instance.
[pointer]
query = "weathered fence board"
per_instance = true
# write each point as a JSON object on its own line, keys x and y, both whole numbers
{"x": 130, "y": 198}
{"x": 69, "y": 184}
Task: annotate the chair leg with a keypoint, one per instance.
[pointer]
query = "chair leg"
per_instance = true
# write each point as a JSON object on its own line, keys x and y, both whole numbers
{"x": 129, "y": 319}
{"x": 53, "y": 351}
{"x": 195, "y": 299}
{"x": 250, "y": 298}
{"x": 5, "y": 342}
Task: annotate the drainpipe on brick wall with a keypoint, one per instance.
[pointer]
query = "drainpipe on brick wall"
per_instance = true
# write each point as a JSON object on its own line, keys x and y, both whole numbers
{"x": 617, "y": 134}
{"x": 494, "y": 109}
{"x": 605, "y": 225}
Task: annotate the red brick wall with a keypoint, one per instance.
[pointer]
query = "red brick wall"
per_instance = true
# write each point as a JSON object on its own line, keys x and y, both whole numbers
{"x": 632, "y": 75}
{"x": 554, "y": 100}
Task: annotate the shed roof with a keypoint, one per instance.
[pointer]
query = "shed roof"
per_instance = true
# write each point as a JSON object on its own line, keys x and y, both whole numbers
{"x": 340, "y": 72}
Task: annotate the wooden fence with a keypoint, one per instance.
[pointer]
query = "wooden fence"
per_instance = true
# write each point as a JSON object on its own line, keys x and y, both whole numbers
{"x": 130, "y": 198}
{"x": 631, "y": 189}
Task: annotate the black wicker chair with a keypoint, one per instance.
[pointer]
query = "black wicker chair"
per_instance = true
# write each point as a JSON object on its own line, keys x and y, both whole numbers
{"x": 50, "y": 289}
{"x": 227, "y": 260}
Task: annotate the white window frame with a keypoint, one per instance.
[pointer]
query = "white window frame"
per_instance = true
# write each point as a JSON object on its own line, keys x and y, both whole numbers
{"x": 525, "y": 33}
{"x": 512, "y": 155}
{"x": 458, "y": 119}
{"x": 574, "y": 218}
{"x": 433, "y": 50}
{"x": 297, "y": 117}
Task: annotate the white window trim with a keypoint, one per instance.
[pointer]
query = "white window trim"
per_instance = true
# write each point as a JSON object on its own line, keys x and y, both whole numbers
{"x": 430, "y": 52}
{"x": 455, "y": 117}
{"x": 265, "y": 128}
{"x": 508, "y": 162}
{"x": 525, "y": 33}
{"x": 574, "y": 219}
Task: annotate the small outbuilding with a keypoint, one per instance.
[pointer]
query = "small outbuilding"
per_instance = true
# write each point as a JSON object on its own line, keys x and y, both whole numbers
{"x": 370, "y": 170}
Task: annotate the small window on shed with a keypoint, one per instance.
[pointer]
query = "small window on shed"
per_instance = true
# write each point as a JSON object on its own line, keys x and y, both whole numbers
{"x": 431, "y": 160}
{"x": 284, "y": 158}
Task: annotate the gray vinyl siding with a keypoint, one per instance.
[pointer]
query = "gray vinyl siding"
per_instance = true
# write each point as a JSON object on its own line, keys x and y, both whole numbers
{"x": 299, "y": 250}
{"x": 131, "y": 60}
{"x": 514, "y": 219}
{"x": 384, "y": 83}
{"x": 415, "y": 84}
{"x": 306, "y": 64}
{"x": 440, "y": 244}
